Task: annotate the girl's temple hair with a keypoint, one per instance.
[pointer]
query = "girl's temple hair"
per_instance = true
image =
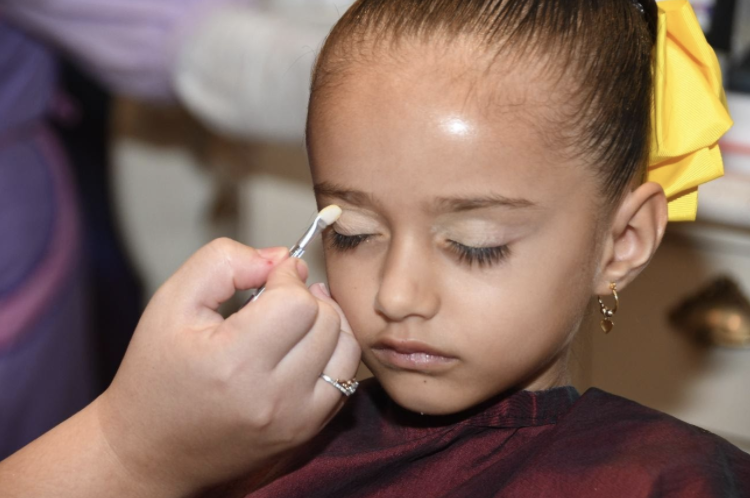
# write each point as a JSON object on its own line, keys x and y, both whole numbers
{"x": 596, "y": 53}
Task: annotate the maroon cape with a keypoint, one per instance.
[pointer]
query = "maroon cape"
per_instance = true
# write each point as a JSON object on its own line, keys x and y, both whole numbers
{"x": 547, "y": 443}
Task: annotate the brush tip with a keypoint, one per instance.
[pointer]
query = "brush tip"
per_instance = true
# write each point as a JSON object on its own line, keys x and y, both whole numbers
{"x": 330, "y": 214}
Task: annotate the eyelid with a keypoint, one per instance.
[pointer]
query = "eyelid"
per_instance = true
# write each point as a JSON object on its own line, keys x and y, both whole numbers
{"x": 487, "y": 237}
{"x": 485, "y": 244}
{"x": 476, "y": 246}
{"x": 484, "y": 231}
{"x": 349, "y": 231}
{"x": 356, "y": 223}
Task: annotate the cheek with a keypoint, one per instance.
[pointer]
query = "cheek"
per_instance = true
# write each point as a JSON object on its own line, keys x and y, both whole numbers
{"x": 555, "y": 289}
{"x": 353, "y": 285}
{"x": 534, "y": 304}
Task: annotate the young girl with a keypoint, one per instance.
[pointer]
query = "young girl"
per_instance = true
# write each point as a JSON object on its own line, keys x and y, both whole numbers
{"x": 500, "y": 164}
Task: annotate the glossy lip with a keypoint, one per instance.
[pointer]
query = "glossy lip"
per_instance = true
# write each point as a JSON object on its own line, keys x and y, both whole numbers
{"x": 411, "y": 355}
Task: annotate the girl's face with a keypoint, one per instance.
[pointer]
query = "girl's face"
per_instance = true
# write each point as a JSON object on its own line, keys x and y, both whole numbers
{"x": 466, "y": 254}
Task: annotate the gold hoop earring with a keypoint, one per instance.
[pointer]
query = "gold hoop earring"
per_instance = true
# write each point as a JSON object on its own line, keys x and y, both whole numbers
{"x": 607, "y": 323}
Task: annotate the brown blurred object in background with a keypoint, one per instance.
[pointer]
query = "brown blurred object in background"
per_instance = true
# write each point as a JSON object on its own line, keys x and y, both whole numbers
{"x": 717, "y": 315}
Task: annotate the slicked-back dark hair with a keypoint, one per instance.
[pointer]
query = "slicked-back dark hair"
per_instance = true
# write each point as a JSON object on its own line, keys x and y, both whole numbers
{"x": 602, "y": 47}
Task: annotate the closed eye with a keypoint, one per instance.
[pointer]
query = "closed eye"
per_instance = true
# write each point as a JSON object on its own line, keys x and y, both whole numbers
{"x": 342, "y": 242}
{"x": 483, "y": 257}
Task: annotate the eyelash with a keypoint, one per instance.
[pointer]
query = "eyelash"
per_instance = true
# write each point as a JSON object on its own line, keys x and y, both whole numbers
{"x": 345, "y": 242}
{"x": 483, "y": 257}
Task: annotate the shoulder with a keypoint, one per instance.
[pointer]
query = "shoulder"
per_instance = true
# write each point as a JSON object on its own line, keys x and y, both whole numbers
{"x": 651, "y": 447}
{"x": 623, "y": 418}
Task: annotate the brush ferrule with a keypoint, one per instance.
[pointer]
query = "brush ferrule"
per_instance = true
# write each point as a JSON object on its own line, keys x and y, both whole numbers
{"x": 298, "y": 249}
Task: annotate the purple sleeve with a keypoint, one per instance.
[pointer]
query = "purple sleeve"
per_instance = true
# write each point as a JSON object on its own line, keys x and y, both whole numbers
{"x": 129, "y": 45}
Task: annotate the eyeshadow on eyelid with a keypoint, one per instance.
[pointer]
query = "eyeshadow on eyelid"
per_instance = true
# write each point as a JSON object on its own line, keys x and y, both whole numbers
{"x": 471, "y": 225}
{"x": 348, "y": 226}
{"x": 487, "y": 242}
{"x": 483, "y": 234}
{"x": 482, "y": 222}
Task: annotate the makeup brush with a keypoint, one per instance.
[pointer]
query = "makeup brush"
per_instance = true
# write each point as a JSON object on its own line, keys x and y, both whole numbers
{"x": 327, "y": 216}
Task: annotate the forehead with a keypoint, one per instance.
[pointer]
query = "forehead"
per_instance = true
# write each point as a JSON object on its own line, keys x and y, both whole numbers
{"x": 435, "y": 121}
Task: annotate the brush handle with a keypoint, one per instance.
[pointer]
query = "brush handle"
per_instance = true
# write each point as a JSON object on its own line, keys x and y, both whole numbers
{"x": 256, "y": 294}
{"x": 296, "y": 251}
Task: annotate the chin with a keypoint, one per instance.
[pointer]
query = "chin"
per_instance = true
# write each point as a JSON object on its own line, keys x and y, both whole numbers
{"x": 427, "y": 398}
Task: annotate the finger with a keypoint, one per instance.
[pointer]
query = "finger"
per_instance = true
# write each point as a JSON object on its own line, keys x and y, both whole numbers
{"x": 278, "y": 320}
{"x": 213, "y": 274}
{"x": 310, "y": 355}
{"x": 321, "y": 292}
{"x": 342, "y": 365}
{"x": 326, "y": 398}
{"x": 293, "y": 274}
{"x": 345, "y": 359}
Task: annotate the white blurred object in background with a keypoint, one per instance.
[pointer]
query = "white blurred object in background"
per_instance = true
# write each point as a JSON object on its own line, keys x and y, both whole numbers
{"x": 246, "y": 69}
{"x": 245, "y": 73}
{"x": 727, "y": 200}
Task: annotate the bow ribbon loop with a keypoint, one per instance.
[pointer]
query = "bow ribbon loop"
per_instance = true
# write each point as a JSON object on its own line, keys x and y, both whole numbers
{"x": 690, "y": 111}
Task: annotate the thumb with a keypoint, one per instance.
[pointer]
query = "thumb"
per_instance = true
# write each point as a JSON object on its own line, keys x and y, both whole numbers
{"x": 215, "y": 272}
{"x": 291, "y": 274}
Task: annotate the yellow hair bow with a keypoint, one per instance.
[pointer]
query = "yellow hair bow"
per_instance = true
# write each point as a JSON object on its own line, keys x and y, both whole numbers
{"x": 690, "y": 110}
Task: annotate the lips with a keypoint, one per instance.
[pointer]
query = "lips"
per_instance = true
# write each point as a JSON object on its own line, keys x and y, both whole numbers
{"x": 411, "y": 355}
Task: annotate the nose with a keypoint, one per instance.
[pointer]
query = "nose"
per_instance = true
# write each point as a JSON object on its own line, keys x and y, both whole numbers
{"x": 408, "y": 284}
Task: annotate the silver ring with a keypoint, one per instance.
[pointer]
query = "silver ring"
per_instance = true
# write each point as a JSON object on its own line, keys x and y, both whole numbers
{"x": 347, "y": 387}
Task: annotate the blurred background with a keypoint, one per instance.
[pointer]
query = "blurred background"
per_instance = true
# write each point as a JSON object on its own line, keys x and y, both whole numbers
{"x": 198, "y": 133}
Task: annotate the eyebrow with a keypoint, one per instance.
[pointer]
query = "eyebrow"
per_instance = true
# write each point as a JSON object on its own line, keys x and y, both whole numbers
{"x": 459, "y": 204}
{"x": 334, "y": 191}
{"x": 445, "y": 204}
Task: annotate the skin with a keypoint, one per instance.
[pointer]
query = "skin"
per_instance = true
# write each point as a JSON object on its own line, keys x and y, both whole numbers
{"x": 420, "y": 161}
{"x": 200, "y": 399}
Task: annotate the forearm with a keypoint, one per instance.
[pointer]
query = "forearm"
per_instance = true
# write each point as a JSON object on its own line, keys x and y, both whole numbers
{"x": 75, "y": 460}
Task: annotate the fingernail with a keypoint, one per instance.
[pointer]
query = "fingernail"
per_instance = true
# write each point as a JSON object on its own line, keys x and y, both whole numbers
{"x": 324, "y": 289}
{"x": 272, "y": 253}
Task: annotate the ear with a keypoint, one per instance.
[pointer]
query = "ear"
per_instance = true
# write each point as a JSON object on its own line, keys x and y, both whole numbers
{"x": 636, "y": 232}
